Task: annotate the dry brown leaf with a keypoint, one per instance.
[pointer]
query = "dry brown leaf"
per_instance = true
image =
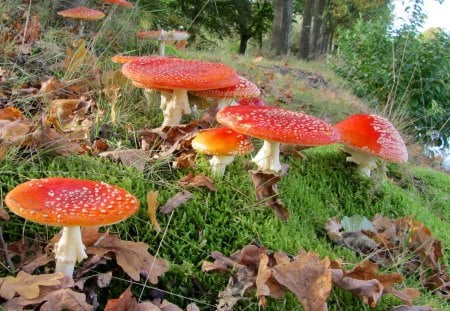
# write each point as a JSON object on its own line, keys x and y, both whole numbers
{"x": 3, "y": 213}
{"x": 32, "y": 31}
{"x": 266, "y": 191}
{"x": 308, "y": 277}
{"x": 132, "y": 257}
{"x": 265, "y": 283}
{"x": 413, "y": 308}
{"x": 56, "y": 299}
{"x": 137, "y": 158}
{"x": 16, "y": 133}
{"x": 152, "y": 207}
{"x": 10, "y": 113}
{"x": 27, "y": 285}
{"x": 175, "y": 201}
{"x": 126, "y": 302}
{"x": 47, "y": 138}
{"x": 102, "y": 280}
{"x": 199, "y": 180}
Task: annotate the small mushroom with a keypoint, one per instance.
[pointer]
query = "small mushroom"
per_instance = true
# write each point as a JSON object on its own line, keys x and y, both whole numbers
{"x": 164, "y": 37}
{"x": 81, "y": 14}
{"x": 223, "y": 97}
{"x": 70, "y": 203}
{"x": 223, "y": 144}
{"x": 178, "y": 75}
{"x": 276, "y": 125}
{"x": 367, "y": 137}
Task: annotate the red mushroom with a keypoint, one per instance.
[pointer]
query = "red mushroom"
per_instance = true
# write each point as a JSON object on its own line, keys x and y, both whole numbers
{"x": 70, "y": 203}
{"x": 81, "y": 14}
{"x": 223, "y": 144}
{"x": 245, "y": 89}
{"x": 276, "y": 125}
{"x": 179, "y": 75}
{"x": 367, "y": 137}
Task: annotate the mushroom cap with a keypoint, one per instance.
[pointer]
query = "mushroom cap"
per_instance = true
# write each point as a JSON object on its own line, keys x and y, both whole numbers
{"x": 279, "y": 125}
{"x": 177, "y": 73}
{"x": 123, "y": 3}
{"x": 222, "y": 142}
{"x": 374, "y": 135}
{"x": 244, "y": 89}
{"x": 82, "y": 12}
{"x": 61, "y": 201}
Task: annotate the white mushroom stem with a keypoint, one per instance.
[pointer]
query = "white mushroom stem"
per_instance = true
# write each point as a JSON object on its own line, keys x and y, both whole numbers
{"x": 218, "y": 164}
{"x": 176, "y": 107}
{"x": 162, "y": 48}
{"x": 81, "y": 28}
{"x": 165, "y": 97}
{"x": 363, "y": 160}
{"x": 268, "y": 157}
{"x": 69, "y": 250}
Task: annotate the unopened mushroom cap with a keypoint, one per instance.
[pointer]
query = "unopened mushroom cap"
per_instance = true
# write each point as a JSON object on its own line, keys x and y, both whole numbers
{"x": 82, "y": 13}
{"x": 60, "y": 201}
{"x": 244, "y": 89}
{"x": 222, "y": 141}
{"x": 277, "y": 124}
{"x": 123, "y": 3}
{"x": 177, "y": 73}
{"x": 374, "y": 135}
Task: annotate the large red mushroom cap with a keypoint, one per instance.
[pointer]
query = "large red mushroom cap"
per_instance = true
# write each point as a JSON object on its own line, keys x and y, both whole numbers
{"x": 176, "y": 73}
{"x": 374, "y": 135}
{"x": 82, "y": 13}
{"x": 61, "y": 201}
{"x": 222, "y": 141}
{"x": 277, "y": 124}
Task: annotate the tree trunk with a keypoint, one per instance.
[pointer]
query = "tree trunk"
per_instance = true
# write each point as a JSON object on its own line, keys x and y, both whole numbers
{"x": 281, "y": 27}
{"x": 317, "y": 30}
{"x": 243, "y": 43}
{"x": 306, "y": 30}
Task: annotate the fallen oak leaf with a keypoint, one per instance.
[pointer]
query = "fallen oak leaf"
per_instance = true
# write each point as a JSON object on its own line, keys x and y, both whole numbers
{"x": 199, "y": 180}
{"x": 132, "y": 257}
{"x": 57, "y": 299}
{"x": 308, "y": 277}
{"x": 413, "y": 308}
{"x": 152, "y": 207}
{"x": 175, "y": 201}
{"x": 266, "y": 191}
{"x": 137, "y": 158}
{"x": 27, "y": 285}
{"x": 10, "y": 113}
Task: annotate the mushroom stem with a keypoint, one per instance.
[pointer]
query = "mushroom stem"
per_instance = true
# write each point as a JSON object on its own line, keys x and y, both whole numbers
{"x": 162, "y": 48}
{"x": 268, "y": 157}
{"x": 69, "y": 250}
{"x": 218, "y": 165}
{"x": 175, "y": 108}
{"x": 81, "y": 28}
{"x": 165, "y": 97}
{"x": 365, "y": 162}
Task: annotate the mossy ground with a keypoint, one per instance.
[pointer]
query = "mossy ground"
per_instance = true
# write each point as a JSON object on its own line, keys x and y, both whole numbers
{"x": 314, "y": 190}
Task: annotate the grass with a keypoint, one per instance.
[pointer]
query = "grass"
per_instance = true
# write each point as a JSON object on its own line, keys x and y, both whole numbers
{"x": 314, "y": 190}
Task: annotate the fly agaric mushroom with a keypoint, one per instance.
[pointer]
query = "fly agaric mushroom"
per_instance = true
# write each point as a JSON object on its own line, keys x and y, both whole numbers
{"x": 164, "y": 37}
{"x": 367, "y": 137}
{"x": 245, "y": 89}
{"x": 223, "y": 144}
{"x": 81, "y": 14}
{"x": 70, "y": 203}
{"x": 276, "y": 125}
{"x": 179, "y": 75}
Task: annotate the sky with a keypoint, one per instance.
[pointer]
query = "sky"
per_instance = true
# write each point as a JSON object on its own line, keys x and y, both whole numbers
{"x": 438, "y": 14}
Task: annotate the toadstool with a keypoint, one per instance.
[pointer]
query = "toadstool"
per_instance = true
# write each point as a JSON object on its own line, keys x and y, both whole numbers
{"x": 367, "y": 137}
{"x": 223, "y": 144}
{"x": 71, "y": 203}
{"x": 245, "y": 89}
{"x": 81, "y": 14}
{"x": 179, "y": 75}
{"x": 276, "y": 125}
{"x": 163, "y": 37}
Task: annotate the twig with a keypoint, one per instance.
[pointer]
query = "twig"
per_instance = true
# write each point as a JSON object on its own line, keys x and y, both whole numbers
{"x": 10, "y": 264}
